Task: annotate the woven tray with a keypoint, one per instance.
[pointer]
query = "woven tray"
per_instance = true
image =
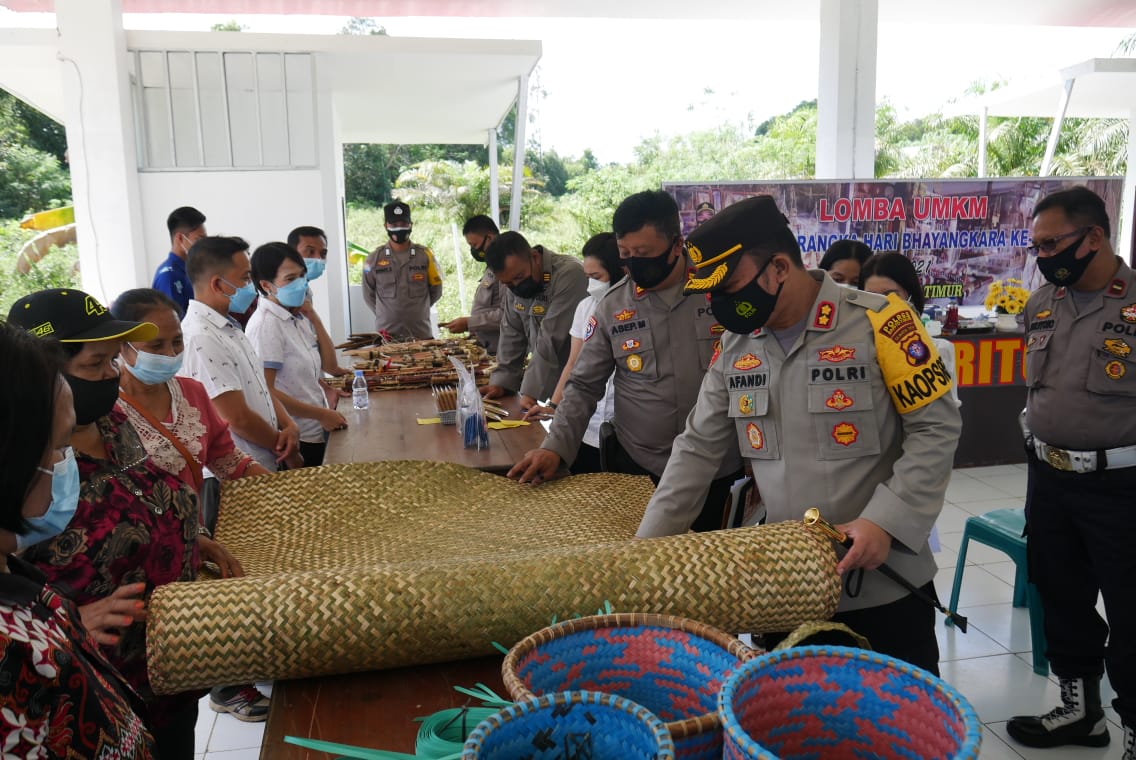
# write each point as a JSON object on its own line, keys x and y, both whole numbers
{"x": 574, "y": 724}
{"x": 366, "y": 566}
{"x": 672, "y": 666}
{"x": 844, "y": 703}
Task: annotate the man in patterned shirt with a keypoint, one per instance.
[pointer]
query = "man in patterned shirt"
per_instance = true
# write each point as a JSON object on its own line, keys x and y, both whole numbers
{"x": 220, "y": 357}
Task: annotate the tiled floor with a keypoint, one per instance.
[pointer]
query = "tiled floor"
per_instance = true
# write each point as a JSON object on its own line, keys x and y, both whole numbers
{"x": 991, "y": 664}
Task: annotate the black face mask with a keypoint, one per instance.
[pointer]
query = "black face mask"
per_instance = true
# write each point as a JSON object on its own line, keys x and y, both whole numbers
{"x": 478, "y": 251}
{"x": 399, "y": 236}
{"x": 746, "y": 310}
{"x": 1063, "y": 267}
{"x": 650, "y": 271}
{"x": 93, "y": 398}
{"x": 527, "y": 288}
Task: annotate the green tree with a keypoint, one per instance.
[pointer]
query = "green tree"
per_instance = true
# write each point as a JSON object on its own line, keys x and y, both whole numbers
{"x": 33, "y": 181}
{"x": 23, "y": 123}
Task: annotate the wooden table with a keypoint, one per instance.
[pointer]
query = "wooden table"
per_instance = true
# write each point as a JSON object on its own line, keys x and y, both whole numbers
{"x": 389, "y": 430}
{"x": 374, "y": 709}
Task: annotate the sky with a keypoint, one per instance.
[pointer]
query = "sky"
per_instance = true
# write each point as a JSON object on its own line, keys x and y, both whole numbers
{"x": 609, "y": 83}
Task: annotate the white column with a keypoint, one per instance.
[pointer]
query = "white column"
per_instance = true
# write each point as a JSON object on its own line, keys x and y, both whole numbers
{"x": 519, "y": 152}
{"x": 846, "y": 96}
{"x": 101, "y": 144}
{"x": 1125, "y": 238}
{"x": 1055, "y": 131}
{"x": 332, "y": 299}
{"x": 494, "y": 180}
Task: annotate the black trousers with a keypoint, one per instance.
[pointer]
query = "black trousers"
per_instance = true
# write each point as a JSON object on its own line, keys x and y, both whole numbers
{"x": 174, "y": 741}
{"x": 1080, "y": 544}
{"x": 312, "y": 453}
{"x": 904, "y": 629}
{"x": 714, "y": 508}
{"x": 587, "y": 460}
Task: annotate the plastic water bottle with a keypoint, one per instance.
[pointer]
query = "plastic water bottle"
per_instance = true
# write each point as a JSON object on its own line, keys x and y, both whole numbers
{"x": 359, "y": 397}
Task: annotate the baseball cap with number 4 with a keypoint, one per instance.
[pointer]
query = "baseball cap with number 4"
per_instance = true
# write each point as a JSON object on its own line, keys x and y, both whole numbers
{"x": 72, "y": 316}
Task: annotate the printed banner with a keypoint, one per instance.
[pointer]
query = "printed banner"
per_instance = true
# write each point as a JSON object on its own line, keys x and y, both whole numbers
{"x": 961, "y": 234}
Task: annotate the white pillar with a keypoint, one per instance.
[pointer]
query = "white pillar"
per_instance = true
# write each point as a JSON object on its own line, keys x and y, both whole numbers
{"x": 332, "y": 299}
{"x": 101, "y": 144}
{"x": 519, "y": 152}
{"x": 1055, "y": 131}
{"x": 1125, "y": 238}
{"x": 846, "y": 96}
{"x": 494, "y": 180}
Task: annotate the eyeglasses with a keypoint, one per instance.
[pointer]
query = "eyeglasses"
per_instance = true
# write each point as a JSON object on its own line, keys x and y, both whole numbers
{"x": 1049, "y": 245}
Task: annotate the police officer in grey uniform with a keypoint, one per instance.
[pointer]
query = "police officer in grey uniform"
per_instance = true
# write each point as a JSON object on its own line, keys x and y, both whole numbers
{"x": 658, "y": 343}
{"x": 1081, "y": 414}
{"x": 838, "y": 399}
{"x": 401, "y": 280}
{"x": 484, "y": 320}
{"x": 542, "y": 290}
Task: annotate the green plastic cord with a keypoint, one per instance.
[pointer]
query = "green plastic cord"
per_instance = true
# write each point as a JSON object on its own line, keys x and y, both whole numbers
{"x": 443, "y": 734}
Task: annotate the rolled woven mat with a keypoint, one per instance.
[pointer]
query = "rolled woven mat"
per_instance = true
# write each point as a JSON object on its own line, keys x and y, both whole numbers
{"x": 369, "y": 566}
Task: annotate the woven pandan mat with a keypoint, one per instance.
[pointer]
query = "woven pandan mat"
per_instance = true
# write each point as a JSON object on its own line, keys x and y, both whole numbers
{"x": 367, "y": 566}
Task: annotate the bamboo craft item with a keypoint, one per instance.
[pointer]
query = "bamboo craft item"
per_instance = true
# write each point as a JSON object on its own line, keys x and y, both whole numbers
{"x": 415, "y": 364}
{"x": 360, "y": 567}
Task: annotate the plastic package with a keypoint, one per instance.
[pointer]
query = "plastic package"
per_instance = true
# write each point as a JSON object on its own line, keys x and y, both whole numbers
{"x": 471, "y": 414}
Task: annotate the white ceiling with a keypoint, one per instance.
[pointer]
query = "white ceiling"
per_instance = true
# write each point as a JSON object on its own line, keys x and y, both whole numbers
{"x": 1109, "y": 13}
{"x": 1103, "y": 88}
{"x": 457, "y": 90}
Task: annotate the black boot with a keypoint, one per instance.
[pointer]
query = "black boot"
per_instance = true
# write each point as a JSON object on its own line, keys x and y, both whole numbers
{"x": 1079, "y": 720}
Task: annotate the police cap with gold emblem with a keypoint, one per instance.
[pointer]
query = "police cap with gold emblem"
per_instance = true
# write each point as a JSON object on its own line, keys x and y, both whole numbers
{"x": 72, "y": 316}
{"x": 716, "y": 246}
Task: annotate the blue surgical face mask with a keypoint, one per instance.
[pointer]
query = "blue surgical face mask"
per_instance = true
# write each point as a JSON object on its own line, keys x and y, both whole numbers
{"x": 315, "y": 268}
{"x": 64, "y": 502}
{"x": 292, "y": 295}
{"x": 153, "y": 369}
{"x": 242, "y": 299}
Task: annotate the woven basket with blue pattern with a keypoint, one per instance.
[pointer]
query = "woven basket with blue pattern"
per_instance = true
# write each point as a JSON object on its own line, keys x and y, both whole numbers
{"x": 573, "y": 725}
{"x": 672, "y": 666}
{"x": 832, "y": 703}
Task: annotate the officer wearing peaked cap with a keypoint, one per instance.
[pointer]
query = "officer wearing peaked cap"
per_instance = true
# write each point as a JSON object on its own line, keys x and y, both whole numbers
{"x": 838, "y": 399}
{"x": 401, "y": 279}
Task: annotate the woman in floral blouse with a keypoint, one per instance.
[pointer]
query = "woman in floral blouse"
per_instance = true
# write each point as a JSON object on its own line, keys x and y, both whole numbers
{"x": 135, "y": 522}
{"x": 59, "y": 696}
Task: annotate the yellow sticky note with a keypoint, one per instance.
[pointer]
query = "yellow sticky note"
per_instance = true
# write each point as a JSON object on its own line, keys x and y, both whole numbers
{"x": 506, "y": 424}
{"x": 429, "y": 420}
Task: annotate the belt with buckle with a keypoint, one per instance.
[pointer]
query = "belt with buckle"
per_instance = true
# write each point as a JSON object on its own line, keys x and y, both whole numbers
{"x": 1085, "y": 461}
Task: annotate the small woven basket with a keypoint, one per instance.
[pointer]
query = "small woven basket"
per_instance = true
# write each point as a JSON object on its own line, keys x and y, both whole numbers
{"x": 574, "y": 724}
{"x": 837, "y": 703}
{"x": 672, "y": 666}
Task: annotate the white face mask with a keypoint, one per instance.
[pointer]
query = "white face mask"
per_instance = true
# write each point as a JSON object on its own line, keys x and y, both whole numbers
{"x": 596, "y": 288}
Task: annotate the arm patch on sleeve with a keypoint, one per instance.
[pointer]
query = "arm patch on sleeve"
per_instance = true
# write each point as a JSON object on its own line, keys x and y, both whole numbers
{"x": 912, "y": 368}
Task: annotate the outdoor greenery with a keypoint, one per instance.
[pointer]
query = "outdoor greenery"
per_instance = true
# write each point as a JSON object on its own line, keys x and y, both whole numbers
{"x": 566, "y": 198}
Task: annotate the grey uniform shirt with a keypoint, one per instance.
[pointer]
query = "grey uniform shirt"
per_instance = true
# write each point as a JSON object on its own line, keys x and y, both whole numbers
{"x": 1080, "y": 372}
{"x": 399, "y": 287}
{"x": 659, "y": 345}
{"x": 821, "y": 429}
{"x": 485, "y": 316}
{"x": 539, "y": 325}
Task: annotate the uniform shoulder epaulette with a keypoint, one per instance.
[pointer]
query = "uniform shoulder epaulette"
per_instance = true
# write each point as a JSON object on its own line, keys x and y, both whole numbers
{"x": 866, "y": 300}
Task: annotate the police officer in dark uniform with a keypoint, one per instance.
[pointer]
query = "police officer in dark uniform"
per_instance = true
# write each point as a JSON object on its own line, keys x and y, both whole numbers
{"x": 542, "y": 289}
{"x": 1081, "y": 418}
{"x": 657, "y": 343}
{"x": 484, "y": 320}
{"x": 401, "y": 280}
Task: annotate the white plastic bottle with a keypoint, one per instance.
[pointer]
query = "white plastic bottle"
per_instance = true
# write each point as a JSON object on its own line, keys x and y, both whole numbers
{"x": 359, "y": 397}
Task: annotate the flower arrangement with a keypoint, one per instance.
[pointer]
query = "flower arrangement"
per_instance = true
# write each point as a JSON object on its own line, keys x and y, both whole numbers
{"x": 1007, "y": 296}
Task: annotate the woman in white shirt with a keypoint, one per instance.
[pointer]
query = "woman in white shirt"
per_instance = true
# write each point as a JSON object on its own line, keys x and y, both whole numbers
{"x": 286, "y": 343}
{"x": 602, "y": 265}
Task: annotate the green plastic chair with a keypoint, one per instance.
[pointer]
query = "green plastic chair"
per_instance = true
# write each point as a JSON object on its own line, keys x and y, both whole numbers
{"x": 1002, "y": 529}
